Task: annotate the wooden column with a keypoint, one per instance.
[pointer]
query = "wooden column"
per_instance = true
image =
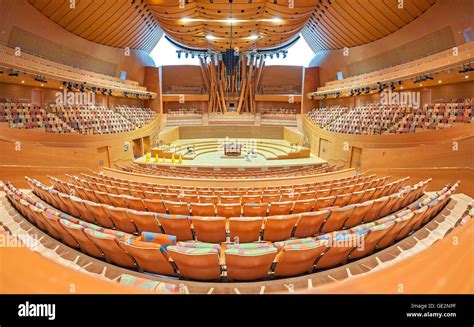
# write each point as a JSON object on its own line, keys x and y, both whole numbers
{"x": 152, "y": 82}
{"x": 310, "y": 84}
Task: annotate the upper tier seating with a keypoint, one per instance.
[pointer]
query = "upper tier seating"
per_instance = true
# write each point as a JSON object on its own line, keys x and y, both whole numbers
{"x": 379, "y": 119}
{"x": 166, "y": 255}
{"x": 372, "y": 119}
{"x": 184, "y": 116}
{"x": 278, "y": 116}
{"x": 231, "y": 118}
{"x": 435, "y": 116}
{"x": 71, "y": 119}
{"x": 26, "y": 115}
{"x": 227, "y": 174}
{"x": 324, "y": 116}
{"x": 138, "y": 116}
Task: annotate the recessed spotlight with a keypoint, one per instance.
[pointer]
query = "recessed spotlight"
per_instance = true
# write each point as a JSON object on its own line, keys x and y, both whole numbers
{"x": 42, "y": 84}
{"x": 466, "y": 77}
{"x": 22, "y": 82}
{"x": 276, "y": 20}
{"x": 253, "y": 37}
{"x": 421, "y": 84}
{"x": 440, "y": 81}
{"x": 401, "y": 87}
{"x": 210, "y": 37}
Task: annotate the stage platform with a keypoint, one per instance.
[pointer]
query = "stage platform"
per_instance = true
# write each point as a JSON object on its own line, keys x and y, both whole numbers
{"x": 209, "y": 152}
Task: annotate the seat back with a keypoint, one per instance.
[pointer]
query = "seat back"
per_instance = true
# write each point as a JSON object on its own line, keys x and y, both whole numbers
{"x": 109, "y": 246}
{"x": 203, "y": 209}
{"x": 297, "y": 257}
{"x": 249, "y": 264}
{"x": 310, "y": 223}
{"x": 179, "y": 226}
{"x": 255, "y": 209}
{"x": 229, "y": 210}
{"x": 245, "y": 229}
{"x": 279, "y": 228}
{"x": 210, "y": 229}
{"x": 196, "y": 263}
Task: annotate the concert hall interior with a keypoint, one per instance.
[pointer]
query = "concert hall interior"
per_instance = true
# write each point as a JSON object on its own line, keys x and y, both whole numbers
{"x": 236, "y": 146}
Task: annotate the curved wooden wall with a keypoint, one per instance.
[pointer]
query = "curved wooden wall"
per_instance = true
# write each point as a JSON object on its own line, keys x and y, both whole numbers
{"x": 445, "y": 153}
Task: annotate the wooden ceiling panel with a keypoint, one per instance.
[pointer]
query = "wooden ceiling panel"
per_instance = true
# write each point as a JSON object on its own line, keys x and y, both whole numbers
{"x": 116, "y": 23}
{"x": 246, "y": 24}
{"x": 338, "y": 24}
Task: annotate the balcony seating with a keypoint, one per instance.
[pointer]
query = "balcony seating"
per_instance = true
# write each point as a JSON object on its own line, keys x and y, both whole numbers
{"x": 380, "y": 119}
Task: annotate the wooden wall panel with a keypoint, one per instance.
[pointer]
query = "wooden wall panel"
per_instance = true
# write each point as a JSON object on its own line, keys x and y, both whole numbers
{"x": 310, "y": 82}
{"x": 424, "y": 46}
{"x": 260, "y": 132}
{"x": 44, "y": 47}
{"x": 457, "y": 14}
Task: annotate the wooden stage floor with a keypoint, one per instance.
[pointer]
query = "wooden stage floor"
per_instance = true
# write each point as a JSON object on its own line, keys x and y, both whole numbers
{"x": 210, "y": 153}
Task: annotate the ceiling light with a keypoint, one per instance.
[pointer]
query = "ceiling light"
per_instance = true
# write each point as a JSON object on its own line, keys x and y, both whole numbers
{"x": 440, "y": 81}
{"x": 210, "y": 37}
{"x": 466, "y": 77}
{"x": 253, "y": 37}
{"x": 276, "y": 20}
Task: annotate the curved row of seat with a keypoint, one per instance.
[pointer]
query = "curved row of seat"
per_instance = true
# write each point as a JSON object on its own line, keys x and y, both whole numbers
{"x": 252, "y": 207}
{"x": 154, "y": 170}
{"x": 254, "y": 195}
{"x": 234, "y": 191}
{"x": 228, "y": 206}
{"x": 163, "y": 254}
{"x": 219, "y": 229}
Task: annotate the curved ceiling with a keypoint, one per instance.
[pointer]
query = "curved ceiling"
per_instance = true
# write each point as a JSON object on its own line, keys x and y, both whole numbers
{"x": 349, "y": 23}
{"x": 116, "y": 23}
{"x": 246, "y": 24}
